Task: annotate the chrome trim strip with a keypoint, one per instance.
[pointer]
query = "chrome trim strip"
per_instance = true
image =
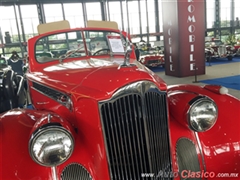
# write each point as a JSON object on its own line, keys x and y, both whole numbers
{"x": 54, "y": 173}
{"x": 201, "y": 150}
{"x": 59, "y": 101}
{"x": 139, "y": 87}
{"x": 49, "y": 118}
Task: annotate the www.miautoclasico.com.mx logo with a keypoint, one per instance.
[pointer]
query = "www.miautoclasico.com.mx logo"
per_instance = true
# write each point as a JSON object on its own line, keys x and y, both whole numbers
{"x": 190, "y": 174}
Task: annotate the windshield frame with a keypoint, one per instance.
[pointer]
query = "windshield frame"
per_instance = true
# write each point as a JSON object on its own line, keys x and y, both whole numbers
{"x": 82, "y": 32}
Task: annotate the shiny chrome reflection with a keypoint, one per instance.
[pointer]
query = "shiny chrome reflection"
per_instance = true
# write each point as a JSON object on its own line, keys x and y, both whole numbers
{"x": 51, "y": 146}
{"x": 202, "y": 114}
{"x": 135, "y": 127}
{"x": 58, "y": 96}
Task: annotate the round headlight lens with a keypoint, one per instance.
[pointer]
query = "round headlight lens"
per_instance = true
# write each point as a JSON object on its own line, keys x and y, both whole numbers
{"x": 202, "y": 115}
{"x": 51, "y": 146}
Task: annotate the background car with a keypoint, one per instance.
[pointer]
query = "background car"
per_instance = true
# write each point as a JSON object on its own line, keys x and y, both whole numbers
{"x": 217, "y": 49}
{"x": 152, "y": 59}
{"x": 237, "y": 49}
{"x": 151, "y": 56}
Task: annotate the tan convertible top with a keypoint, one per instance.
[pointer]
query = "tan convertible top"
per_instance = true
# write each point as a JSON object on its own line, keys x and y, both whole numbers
{"x": 102, "y": 24}
{"x": 58, "y": 25}
{"x": 53, "y": 26}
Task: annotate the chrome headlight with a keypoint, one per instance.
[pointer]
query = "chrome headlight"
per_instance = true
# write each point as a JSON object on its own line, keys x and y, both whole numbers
{"x": 202, "y": 114}
{"x": 51, "y": 146}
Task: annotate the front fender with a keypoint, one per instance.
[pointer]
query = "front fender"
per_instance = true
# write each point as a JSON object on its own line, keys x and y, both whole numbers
{"x": 15, "y": 160}
{"x": 218, "y": 148}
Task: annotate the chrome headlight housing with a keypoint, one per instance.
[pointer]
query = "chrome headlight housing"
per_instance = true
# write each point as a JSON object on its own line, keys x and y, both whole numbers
{"x": 51, "y": 145}
{"x": 202, "y": 114}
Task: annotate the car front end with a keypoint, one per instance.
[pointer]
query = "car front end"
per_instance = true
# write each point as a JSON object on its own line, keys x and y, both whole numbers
{"x": 100, "y": 114}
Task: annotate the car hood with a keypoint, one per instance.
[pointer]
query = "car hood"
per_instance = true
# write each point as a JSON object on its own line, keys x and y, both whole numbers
{"x": 97, "y": 78}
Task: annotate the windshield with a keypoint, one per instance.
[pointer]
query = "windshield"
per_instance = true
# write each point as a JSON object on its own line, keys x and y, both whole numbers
{"x": 78, "y": 44}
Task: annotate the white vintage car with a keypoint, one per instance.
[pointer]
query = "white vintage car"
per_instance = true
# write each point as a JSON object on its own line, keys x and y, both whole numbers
{"x": 217, "y": 49}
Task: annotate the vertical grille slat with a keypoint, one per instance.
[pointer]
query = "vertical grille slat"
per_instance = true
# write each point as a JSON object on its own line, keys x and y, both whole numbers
{"x": 132, "y": 136}
{"x": 125, "y": 148}
{"x": 136, "y": 117}
{"x": 135, "y": 128}
{"x": 157, "y": 127}
{"x": 120, "y": 134}
{"x": 118, "y": 152}
{"x": 113, "y": 135}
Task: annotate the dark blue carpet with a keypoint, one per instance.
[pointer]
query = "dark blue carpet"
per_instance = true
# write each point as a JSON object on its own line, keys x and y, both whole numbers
{"x": 157, "y": 69}
{"x": 216, "y": 61}
{"x": 29, "y": 106}
{"x": 232, "y": 82}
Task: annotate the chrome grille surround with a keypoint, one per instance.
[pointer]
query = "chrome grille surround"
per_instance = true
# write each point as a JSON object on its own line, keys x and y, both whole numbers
{"x": 135, "y": 129}
{"x": 75, "y": 171}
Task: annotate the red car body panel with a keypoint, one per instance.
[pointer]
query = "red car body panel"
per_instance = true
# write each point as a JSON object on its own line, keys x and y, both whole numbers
{"x": 217, "y": 147}
{"x": 87, "y": 84}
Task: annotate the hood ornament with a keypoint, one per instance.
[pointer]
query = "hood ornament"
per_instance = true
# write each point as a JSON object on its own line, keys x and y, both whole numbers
{"x": 128, "y": 51}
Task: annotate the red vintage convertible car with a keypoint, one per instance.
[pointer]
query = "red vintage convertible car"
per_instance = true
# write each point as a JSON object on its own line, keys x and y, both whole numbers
{"x": 103, "y": 115}
{"x": 151, "y": 58}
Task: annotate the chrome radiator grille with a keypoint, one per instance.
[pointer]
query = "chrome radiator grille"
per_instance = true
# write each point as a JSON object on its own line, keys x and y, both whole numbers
{"x": 75, "y": 172}
{"x": 135, "y": 129}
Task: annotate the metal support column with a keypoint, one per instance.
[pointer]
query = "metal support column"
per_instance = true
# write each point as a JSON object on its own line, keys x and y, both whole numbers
{"x": 121, "y": 7}
{"x": 84, "y": 9}
{"x": 1, "y": 40}
{"x": 103, "y": 10}
{"x": 217, "y": 32}
{"x": 232, "y": 15}
{"x": 140, "y": 17}
{"x": 108, "y": 11}
{"x": 147, "y": 21}
{"x": 22, "y": 27}
{"x": 128, "y": 24}
{"x": 41, "y": 13}
{"x": 19, "y": 37}
{"x": 157, "y": 19}
{"x": 63, "y": 12}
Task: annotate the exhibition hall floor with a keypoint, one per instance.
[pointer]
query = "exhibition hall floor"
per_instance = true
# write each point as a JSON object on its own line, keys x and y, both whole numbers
{"x": 227, "y": 74}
